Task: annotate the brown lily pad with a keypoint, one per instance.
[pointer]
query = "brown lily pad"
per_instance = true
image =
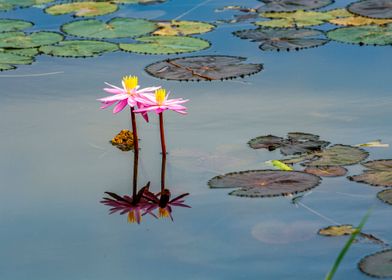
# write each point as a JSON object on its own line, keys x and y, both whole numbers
{"x": 372, "y": 8}
{"x": 265, "y": 183}
{"x": 379, "y": 173}
{"x": 377, "y": 265}
{"x": 123, "y": 140}
{"x": 385, "y": 196}
{"x": 290, "y": 5}
{"x": 339, "y": 230}
{"x": 326, "y": 171}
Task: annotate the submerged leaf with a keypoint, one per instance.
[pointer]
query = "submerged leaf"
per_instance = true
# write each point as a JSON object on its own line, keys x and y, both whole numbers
{"x": 379, "y": 173}
{"x": 202, "y": 68}
{"x": 82, "y": 9}
{"x": 378, "y": 264}
{"x": 290, "y": 5}
{"x": 182, "y": 27}
{"x": 165, "y": 45}
{"x": 265, "y": 183}
{"x": 123, "y": 140}
{"x": 79, "y": 48}
{"x": 20, "y": 40}
{"x": 338, "y": 155}
{"x": 7, "y": 25}
{"x": 372, "y": 8}
{"x": 385, "y": 196}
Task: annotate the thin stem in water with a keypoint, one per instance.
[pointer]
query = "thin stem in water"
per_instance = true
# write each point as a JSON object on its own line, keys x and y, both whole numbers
{"x": 134, "y": 131}
{"x": 163, "y": 144}
{"x": 135, "y": 169}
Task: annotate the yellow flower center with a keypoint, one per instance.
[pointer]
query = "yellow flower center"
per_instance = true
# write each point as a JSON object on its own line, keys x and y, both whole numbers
{"x": 160, "y": 95}
{"x": 130, "y": 82}
{"x": 163, "y": 213}
{"x": 131, "y": 217}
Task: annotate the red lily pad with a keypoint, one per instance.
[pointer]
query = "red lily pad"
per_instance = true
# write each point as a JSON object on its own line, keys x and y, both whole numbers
{"x": 290, "y": 5}
{"x": 377, "y": 265}
{"x": 372, "y": 8}
{"x": 327, "y": 171}
{"x": 379, "y": 173}
{"x": 265, "y": 183}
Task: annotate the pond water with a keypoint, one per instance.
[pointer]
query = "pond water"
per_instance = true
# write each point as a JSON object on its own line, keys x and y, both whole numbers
{"x": 56, "y": 161}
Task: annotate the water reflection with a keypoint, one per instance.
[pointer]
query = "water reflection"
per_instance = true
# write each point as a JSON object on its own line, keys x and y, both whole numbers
{"x": 143, "y": 201}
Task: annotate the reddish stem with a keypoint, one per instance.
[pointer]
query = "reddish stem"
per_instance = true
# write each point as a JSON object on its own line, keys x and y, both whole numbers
{"x": 163, "y": 144}
{"x": 163, "y": 172}
{"x": 134, "y": 131}
{"x": 135, "y": 168}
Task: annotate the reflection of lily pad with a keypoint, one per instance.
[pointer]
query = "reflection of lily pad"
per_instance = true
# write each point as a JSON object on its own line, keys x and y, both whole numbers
{"x": 378, "y": 264}
{"x": 296, "y": 143}
{"x": 363, "y": 35}
{"x": 290, "y": 5}
{"x": 20, "y": 40}
{"x": 284, "y": 39}
{"x": 7, "y": 25}
{"x": 8, "y": 60}
{"x": 337, "y": 230}
{"x": 372, "y": 8}
{"x": 326, "y": 171}
{"x": 385, "y": 196}
{"x": 182, "y": 27}
{"x": 379, "y": 173}
{"x": 166, "y": 45}
{"x": 82, "y": 9}
{"x": 265, "y": 183}
{"x": 79, "y": 48}
{"x": 202, "y": 68}
{"x": 115, "y": 28}
{"x": 338, "y": 155}
{"x": 123, "y": 140}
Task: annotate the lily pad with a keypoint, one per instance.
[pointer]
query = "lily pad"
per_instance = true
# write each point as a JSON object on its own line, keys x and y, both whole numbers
{"x": 338, "y": 155}
{"x": 296, "y": 143}
{"x": 354, "y": 20}
{"x": 166, "y": 45}
{"x": 31, "y": 52}
{"x": 123, "y": 140}
{"x": 142, "y": 2}
{"x": 372, "y": 8}
{"x": 378, "y": 264}
{"x": 379, "y": 173}
{"x": 327, "y": 171}
{"x": 182, "y": 27}
{"x": 363, "y": 35}
{"x": 7, "y": 25}
{"x": 9, "y": 60}
{"x": 385, "y": 196}
{"x": 6, "y": 5}
{"x": 202, "y": 68}
{"x": 339, "y": 230}
{"x": 284, "y": 39}
{"x": 79, "y": 48}
{"x": 114, "y": 28}
{"x": 265, "y": 183}
{"x": 82, "y": 9}
{"x": 20, "y": 40}
{"x": 290, "y": 5}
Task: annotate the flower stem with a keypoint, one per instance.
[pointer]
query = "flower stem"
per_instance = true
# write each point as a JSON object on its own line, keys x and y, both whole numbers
{"x": 163, "y": 172}
{"x": 134, "y": 131}
{"x": 163, "y": 144}
{"x": 135, "y": 169}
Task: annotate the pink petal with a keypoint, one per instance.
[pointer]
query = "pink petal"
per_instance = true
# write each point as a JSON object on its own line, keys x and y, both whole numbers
{"x": 120, "y": 105}
{"x": 113, "y": 86}
{"x": 114, "y": 90}
{"x": 117, "y": 97}
{"x": 108, "y": 104}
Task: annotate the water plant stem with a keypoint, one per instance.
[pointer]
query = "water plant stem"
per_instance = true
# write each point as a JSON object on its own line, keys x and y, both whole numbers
{"x": 163, "y": 144}
{"x": 135, "y": 169}
{"x": 163, "y": 172}
{"x": 134, "y": 131}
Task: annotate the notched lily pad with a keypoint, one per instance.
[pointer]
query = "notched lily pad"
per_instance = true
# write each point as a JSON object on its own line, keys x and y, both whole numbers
{"x": 372, "y": 8}
{"x": 203, "y": 68}
{"x": 296, "y": 143}
{"x": 327, "y": 171}
{"x": 82, "y": 9}
{"x": 20, "y": 40}
{"x": 165, "y": 45}
{"x": 7, "y": 25}
{"x": 79, "y": 48}
{"x": 123, "y": 140}
{"x": 385, "y": 196}
{"x": 9, "y": 60}
{"x": 265, "y": 183}
{"x": 337, "y": 155}
{"x": 379, "y": 173}
{"x": 182, "y": 27}
{"x": 6, "y": 5}
{"x": 379, "y": 35}
{"x": 377, "y": 265}
{"x": 355, "y": 20}
{"x": 290, "y": 5}
{"x": 114, "y": 28}
{"x": 272, "y": 39}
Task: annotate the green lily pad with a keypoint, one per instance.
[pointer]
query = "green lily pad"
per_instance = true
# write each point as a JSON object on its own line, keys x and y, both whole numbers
{"x": 202, "y": 68}
{"x": 379, "y": 173}
{"x": 7, "y": 25}
{"x": 182, "y": 28}
{"x": 377, "y": 265}
{"x": 79, "y": 48}
{"x": 20, "y": 40}
{"x": 265, "y": 183}
{"x": 6, "y": 5}
{"x": 82, "y": 9}
{"x": 385, "y": 196}
{"x": 290, "y": 5}
{"x": 338, "y": 155}
{"x": 372, "y": 8}
{"x": 142, "y": 2}
{"x": 166, "y": 45}
{"x": 363, "y": 35}
{"x": 9, "y": 60}
{"x": 114, "y": 28}
{"x": 326, "y": 171}
{"x": 355, "y": 20}
{"x": 31, "y": 52}
{"x": 284, "y": 39}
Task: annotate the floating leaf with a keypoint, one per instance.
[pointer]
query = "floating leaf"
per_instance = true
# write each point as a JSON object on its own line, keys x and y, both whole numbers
{"x": 363, "y": 35}
{"x": 337, "y": 230}
{"x": 378, "y": 264}
{"x": 372, "y": 8}
{"x": 354, "y": 20}
{"x": 7, "y": 25}
{"x": 23, "y": 52}
{"x": 8, "y": 60}
{"x": 281, "y": 165}
{"x": 338, "y": 155}
{"x": 123, "y": 140}
{"x": 202, "y": 68}
{"x": 290, "y": 5}
{"x": 79, "y": 48}
{"x": 6, "y": 5}
{"x": 374, "y": 143}
{"x": 265, "y": 183}
{"x": 114, "y": 28}
{"x": 284, "y": 39}
{"x": 142, "y": 2}
{"x": 327, "y": 171}
{"x": 296, "y": 143}
{"x": 166, "y": 45}
{"x": 385, "y": 196}
{"x": 20, "y": 40}
{"x": 379, "y": 173}
{"x": 82, "y": 9}
{"x": 182, "y": 27}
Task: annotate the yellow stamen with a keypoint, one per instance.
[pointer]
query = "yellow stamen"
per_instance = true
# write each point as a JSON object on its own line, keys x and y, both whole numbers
{"x": 131, "y": 217}
{"x": 163, "y": 213}
{"x": 160, "y": 95}
{"x": 130, "y": 82}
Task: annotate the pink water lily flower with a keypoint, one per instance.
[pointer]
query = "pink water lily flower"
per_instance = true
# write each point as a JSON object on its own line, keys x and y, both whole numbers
{"x": 126, "y": 95}
{"x": 160, "y": 102}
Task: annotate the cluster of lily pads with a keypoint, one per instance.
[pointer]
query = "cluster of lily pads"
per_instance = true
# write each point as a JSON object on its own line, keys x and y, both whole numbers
{"x": 313, "y": 158}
